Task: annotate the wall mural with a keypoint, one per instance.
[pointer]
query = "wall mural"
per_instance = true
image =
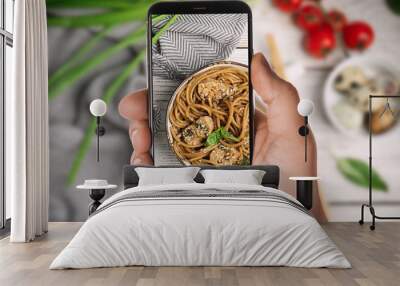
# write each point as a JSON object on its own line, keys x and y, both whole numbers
{"x": 97, "y": 50}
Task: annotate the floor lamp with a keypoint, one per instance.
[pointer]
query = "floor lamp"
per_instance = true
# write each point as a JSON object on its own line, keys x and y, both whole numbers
{"x": 370, "y": 203}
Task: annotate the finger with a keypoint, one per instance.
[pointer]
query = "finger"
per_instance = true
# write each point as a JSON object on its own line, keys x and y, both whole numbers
{"x": 134, "y": 106}
{"x": 140, "y": 136}
{"x": 138, "y": 124}
{"x": 141, "y": 159}
{"x": 260, "y": 120}
{"x": 267, "y": 83}
{"x": 260, "y": 132}
{"x": 279, "y": 95}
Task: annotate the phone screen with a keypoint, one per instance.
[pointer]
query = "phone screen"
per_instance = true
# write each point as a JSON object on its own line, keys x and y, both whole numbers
{"x": 201, "y": 100}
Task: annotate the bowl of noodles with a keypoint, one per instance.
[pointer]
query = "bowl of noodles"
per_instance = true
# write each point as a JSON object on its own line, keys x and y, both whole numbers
{"x": 208, "y": 116}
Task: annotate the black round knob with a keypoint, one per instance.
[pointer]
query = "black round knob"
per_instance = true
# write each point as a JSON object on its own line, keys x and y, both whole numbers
{"x": 303, "y": 130}
{"x": 100, "y": 130}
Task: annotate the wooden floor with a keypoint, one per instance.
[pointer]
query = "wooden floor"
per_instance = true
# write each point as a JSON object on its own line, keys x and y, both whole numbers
{"x": 375, "y": 257}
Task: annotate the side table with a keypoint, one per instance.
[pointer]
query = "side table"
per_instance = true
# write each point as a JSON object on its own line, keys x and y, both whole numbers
{"x": 97, "y": 190}
{"x": 304, "y": 190}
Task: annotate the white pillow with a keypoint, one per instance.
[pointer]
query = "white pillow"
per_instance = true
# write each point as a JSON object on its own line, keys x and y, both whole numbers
{"x": 246, "y": 177}
{"x": 163, "y": 176}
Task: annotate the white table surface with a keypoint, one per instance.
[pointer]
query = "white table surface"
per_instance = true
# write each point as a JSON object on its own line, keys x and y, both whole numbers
{"x": 83, "y": 187}
{"x": 342, "y": 197}
{"x": 304, "y": 178}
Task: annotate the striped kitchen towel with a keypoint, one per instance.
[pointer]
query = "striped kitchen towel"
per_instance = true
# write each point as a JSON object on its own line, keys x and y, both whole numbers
{"x": 194, "y": 41}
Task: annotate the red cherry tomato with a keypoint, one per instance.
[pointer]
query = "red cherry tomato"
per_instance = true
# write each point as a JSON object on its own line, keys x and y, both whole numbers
{"x": 288, "y": 5}
{"x": 337, "y": 20}
{"x": 308, "y": 17}
{"x": 320, "y": 41}
{"x": 358, "y": 35}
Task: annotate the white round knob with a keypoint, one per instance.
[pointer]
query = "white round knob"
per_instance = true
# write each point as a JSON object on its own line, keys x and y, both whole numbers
{"x": 305, "y": 107}
{"x": 98, "y": 107}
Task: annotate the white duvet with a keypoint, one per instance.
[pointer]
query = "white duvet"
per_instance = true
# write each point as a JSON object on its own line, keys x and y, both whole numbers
{"x": 200, "y": 231}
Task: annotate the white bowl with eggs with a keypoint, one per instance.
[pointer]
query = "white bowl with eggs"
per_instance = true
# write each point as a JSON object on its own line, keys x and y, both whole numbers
{"x": 347, "y": 90}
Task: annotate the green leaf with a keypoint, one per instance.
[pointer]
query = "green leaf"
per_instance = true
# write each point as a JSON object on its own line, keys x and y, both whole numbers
{"x": 136, "y": 13}
{"x": 221, "y": 133}
{"x": 357, "y": 172}
{"x": 90, "y": 3}
{"x": 394, "y": 5}
{"x": 75, "y": 73}
{"x": 57, "y": 80}
{"x": 163, "y": 29}
{"x": 78, "y": 56}
{"x": 245, "y": 161}
{"x": 214, "y": 137}
{"x": 228, "y": 135}
{"x": 110, "y": 92}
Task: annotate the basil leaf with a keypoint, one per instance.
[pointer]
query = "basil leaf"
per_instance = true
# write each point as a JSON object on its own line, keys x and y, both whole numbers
{"x": 218, "y": 134}
{"x": 228, "y": 135}
{"x": 357, "y": 172}
{"x": 394, "y": 5}
{"x": 245, "y": 161}
{"x": 214, "y": 137}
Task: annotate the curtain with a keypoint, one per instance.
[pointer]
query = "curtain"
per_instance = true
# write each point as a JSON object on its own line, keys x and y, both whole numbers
{"x": 27, "y": 147}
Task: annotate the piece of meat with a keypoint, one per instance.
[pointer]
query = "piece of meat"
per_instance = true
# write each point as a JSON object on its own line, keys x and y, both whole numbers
{"x": 195, "y": 133}
{"x": 224, "y": 155}
{"x": 215, "y": 89}
{"x": 204, "y": 126}
{"x": 190, "y": 137}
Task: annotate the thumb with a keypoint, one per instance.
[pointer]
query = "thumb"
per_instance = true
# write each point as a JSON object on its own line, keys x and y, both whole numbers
{"x": 267, "y": 83}
{"x": 279, "y": 95}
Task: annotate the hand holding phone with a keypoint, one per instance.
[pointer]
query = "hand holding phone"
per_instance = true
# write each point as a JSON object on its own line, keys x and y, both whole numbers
{"x": 276, "y": 133}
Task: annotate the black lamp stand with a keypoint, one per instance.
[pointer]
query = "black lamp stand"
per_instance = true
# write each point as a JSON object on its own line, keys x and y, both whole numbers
{"x": 100, "y": 131}
{"x": 304, "y": 193}
{"x": 96, "y": 195}
{"x": 370, "y": 203}
{"x": 304, "y": 131}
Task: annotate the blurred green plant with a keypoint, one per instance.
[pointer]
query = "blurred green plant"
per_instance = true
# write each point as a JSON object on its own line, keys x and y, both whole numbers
{"x": 105, "y": 16}
{"x": 394, "y": 5}
{"x": 63, "y": 79}
{"x": 116, "y": 4}
{"x": 78, "y": 56}
{"x": 357, "y": 172}
{"x": 113, "y": 17}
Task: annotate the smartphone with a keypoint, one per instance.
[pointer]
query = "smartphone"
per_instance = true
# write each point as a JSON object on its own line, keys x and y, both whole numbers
{"x": 201, "y": 104}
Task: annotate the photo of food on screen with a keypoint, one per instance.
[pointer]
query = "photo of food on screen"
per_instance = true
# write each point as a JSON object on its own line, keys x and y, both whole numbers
{"x": 201, "y": 107}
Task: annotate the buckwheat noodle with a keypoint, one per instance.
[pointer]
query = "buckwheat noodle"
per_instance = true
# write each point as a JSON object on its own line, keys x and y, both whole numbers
{"x": 221, "y": 93}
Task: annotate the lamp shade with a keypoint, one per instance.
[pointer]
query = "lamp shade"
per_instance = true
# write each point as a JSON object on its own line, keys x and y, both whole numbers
{"x": 305, "y": 107}
{"x": 98, "y": 107}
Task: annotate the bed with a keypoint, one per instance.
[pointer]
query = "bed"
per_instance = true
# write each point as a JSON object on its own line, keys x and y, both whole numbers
{"x": 198, "y": 224}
